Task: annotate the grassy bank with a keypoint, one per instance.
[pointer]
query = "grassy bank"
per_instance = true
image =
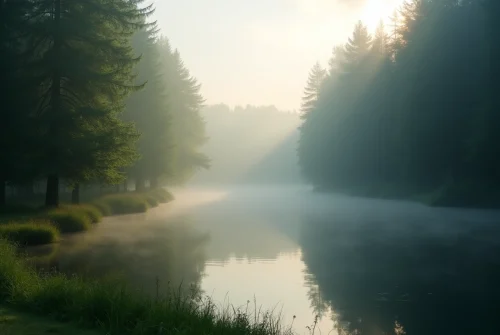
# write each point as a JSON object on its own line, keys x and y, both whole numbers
{"x": 113, "y": 308}
{"x": 13, "y": 322}
{"x": 29, "y": 226}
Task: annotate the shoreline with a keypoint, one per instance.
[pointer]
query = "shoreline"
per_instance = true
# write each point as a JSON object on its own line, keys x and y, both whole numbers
{"x": 112, "y": 307}
{"x": 35, "y": 227}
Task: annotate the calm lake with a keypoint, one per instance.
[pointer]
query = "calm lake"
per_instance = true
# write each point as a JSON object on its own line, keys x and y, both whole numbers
{"x": 373, "y": 266}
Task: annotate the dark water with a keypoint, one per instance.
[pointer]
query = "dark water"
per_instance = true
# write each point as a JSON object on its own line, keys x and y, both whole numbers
{"x": 376, "y": 267}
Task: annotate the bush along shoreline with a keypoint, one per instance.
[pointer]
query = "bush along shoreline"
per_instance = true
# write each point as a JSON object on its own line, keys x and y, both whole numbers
{"x": 114, "y": 308}
{"x": 28, "y": 227}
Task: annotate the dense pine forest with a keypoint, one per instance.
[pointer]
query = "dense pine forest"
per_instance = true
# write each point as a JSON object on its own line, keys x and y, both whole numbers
{"x": 410, "y": 110}
{"x": 92, "y": 96}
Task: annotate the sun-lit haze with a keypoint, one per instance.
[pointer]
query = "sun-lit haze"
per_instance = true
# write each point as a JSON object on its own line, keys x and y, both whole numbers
{"x": 260, "y": 52}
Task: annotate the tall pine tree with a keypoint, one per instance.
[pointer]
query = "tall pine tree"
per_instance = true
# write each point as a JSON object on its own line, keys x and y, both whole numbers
{"x": 84, "y": 69}
{"x": 312, "y": 89}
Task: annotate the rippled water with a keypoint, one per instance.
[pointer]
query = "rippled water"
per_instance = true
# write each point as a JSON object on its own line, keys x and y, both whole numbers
{"x": 375, "y": 266}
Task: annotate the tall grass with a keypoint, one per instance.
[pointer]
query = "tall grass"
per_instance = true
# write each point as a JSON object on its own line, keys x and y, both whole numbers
{"x": 161, "y": 195}
{"x": 116, "y": 309}
{"x": 92, "y": 212}
{"x": 30, "y": 233}
{"x": 127, "y": 203}
{"x": 104, "y": 208}
{"x": 29, "y": 226}
{"x": 69, "y": 221}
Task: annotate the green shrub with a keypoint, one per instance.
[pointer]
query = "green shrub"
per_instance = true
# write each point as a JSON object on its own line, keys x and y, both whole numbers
{"x": 162, "y": 195}
{"x": 69, "y": 221}
{"x": 151, "y": 200}
{"x": 115, "y": 309}
{"x": 30, "y": 233}
{"x": 92, "y": 212}
{"x": 128, "y": 203}
{"x": 103, "y": 207}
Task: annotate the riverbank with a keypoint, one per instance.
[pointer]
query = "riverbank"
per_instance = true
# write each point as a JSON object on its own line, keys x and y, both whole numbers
{"x": 113, "y": 308}
{"x": 31, "y": 226}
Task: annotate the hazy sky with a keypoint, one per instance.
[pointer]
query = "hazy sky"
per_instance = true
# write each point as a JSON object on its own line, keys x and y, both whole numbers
{"x": 260, "y": 51}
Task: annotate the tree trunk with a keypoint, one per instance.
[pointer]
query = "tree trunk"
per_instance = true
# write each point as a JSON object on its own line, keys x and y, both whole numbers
{"x": 3, "y": 192}
{"x": 125, "y": 185}
{"x": 117, "y": 188}
{"x": 75, "y": 195}
{"x": 52, "y": 193}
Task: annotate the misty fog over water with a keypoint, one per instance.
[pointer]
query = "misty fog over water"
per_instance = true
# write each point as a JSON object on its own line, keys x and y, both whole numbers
{"x": 372, "y": 264}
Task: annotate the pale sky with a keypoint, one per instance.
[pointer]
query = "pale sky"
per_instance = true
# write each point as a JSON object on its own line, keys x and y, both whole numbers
{"x": 259, "y": 52}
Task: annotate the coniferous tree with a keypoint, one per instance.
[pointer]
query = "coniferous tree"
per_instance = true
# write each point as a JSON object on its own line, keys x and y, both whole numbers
{"x": 149, "y": 109}
{"x": 357, "y": 46}
{"x": 185, "y": 102}
{"x": 83, "y": 66}
{"x": 407, "y": 113}
{"x": 312, "y": 89}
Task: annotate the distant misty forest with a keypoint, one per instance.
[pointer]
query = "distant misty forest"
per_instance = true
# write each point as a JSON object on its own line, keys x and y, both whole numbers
{"x": 252, "y": 144}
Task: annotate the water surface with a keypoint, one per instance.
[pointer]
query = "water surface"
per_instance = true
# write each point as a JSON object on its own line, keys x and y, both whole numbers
{"x": 373, "y": 266}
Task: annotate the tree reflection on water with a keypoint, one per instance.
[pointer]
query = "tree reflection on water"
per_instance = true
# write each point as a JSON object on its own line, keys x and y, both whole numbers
{"x": 380, "y": 282}
{"x": 160, "y": 256}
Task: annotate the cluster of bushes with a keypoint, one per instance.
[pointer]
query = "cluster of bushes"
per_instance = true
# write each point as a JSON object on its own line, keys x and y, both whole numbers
{"x": 29, "y": 227}
{"x": 116, "y": 309}
{"x": 30, "y": 233}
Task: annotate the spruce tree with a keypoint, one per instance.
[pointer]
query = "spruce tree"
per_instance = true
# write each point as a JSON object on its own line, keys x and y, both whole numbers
{"x": 149, "y": 109}
{"x": 84, "y": 69}
{"x": 312, "y": 89}
{"x": 380, "y": 40}
{"x": 358, "y": 45}
{"x": 185, "y": 103}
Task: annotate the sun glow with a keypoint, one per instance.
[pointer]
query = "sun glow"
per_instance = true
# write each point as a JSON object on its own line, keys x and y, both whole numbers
{"x": 377, "y": 10}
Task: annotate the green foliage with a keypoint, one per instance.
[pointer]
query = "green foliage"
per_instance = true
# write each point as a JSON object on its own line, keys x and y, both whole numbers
{"x": 161, "y": 195}
{"x": 92, "y": 212}
{"x": 313, "y": 88}
{"x": 128, "y": 203}
{"x": 75, "y": 66}
{"x": 68, "y": 70}
{"x": 29, "y": 233}
{"x": 150, "y": 112}
{"x": 151, "y": 200}
{"x": 410, "y": 109}
{"x": 185, "y": 102}
{"x": 104, "y": 208}
{"x": 166, "y": 113}
{"x": 115, "y": 309}
{"x": 69, "y": 221}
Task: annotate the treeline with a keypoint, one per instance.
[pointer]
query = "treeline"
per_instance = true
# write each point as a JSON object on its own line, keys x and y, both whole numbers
{"x": 411, "y": 110}
{"x": 250, "y": 144}
{"x": 91, "y": 95}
